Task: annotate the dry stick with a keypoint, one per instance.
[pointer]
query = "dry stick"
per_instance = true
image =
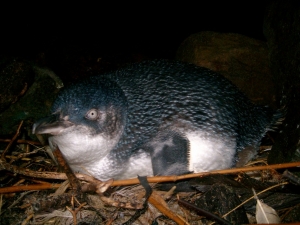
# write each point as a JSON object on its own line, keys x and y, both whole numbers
{"x": 62, "y": 176}
{"x": 158, "y": 179}
{"x": 157, "y": 201}
{"x": 36, "y": 187}
{"x": 31, "y": 173}
{"x": 12, "y": 141}
{"x": 26, "y": 221}
{"x": 74, "y": 212}
{"x": 74, "y": 182}
{"x": 194, "y": 175}
{"x": 203, "y": 212}
{"x": 20, "y": 141}
{"x": 244, "y": 202}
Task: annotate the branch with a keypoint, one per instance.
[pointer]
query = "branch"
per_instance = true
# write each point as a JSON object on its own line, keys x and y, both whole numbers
{"x": 161, "y": 179}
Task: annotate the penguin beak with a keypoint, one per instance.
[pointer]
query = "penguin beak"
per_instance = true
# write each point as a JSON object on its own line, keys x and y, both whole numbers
{"x": 51, "y": 125}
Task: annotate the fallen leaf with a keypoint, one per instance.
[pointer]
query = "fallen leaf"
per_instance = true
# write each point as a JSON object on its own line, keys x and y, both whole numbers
{"x": 264, "y": 213}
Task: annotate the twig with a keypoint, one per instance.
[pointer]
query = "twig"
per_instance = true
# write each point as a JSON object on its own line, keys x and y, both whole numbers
{"x": 12, "y": 141}
{"x": 269, "y": 188}
{"x": 74, "y": 182}
{"x": 203, "y": 212}
{"x": 74, "y": 212}
{"x": 22, "y": 195}
{"x": 158, "y": 179}
{"x": 31, "y": 173}
{"x": 158, "y": 202}
{"x": 29, "y": 217}
{"x": 22, "y": 156}
{"x": 36, "y": 187}
{"x": 127, "y": 205}
{"x": 20, "y": 141}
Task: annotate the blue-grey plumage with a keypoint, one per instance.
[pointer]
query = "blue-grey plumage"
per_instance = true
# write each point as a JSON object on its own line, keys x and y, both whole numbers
{"x": 154, "y": 118}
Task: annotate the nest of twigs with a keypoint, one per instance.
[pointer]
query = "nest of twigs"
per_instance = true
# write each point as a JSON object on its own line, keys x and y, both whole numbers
{"x": 34, "y": 191}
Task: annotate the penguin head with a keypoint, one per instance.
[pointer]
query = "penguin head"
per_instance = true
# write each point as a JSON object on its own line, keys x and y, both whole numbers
{"x": 90, "y": 114}
{"x": 96, "y": 103}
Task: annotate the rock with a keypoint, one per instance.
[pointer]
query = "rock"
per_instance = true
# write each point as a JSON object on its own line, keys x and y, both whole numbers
{"x": 16, "y": 77}
{"x": 35, "y": 101}
{"x": 241, "y": 59}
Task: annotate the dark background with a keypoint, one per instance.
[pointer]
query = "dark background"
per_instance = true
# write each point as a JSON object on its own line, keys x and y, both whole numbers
{"x": 149, "y": 28}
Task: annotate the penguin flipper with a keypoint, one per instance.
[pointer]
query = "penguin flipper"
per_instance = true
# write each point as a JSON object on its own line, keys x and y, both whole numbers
{"x": 170, "y": 154}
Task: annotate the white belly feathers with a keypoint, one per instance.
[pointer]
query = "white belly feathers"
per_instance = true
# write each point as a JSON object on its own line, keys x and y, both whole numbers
{"x": 207, "y": 153}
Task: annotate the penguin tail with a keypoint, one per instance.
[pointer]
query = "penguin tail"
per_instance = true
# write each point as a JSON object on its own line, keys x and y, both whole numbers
{"x": 277, "y": 119}
{"x": 279, "y": 115}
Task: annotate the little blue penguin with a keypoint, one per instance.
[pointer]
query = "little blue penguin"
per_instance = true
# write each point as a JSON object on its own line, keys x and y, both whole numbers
{"x": 158, "y": 117}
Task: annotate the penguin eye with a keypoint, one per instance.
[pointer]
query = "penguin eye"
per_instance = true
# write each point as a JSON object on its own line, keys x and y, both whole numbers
{"x": 92, "y": 114}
